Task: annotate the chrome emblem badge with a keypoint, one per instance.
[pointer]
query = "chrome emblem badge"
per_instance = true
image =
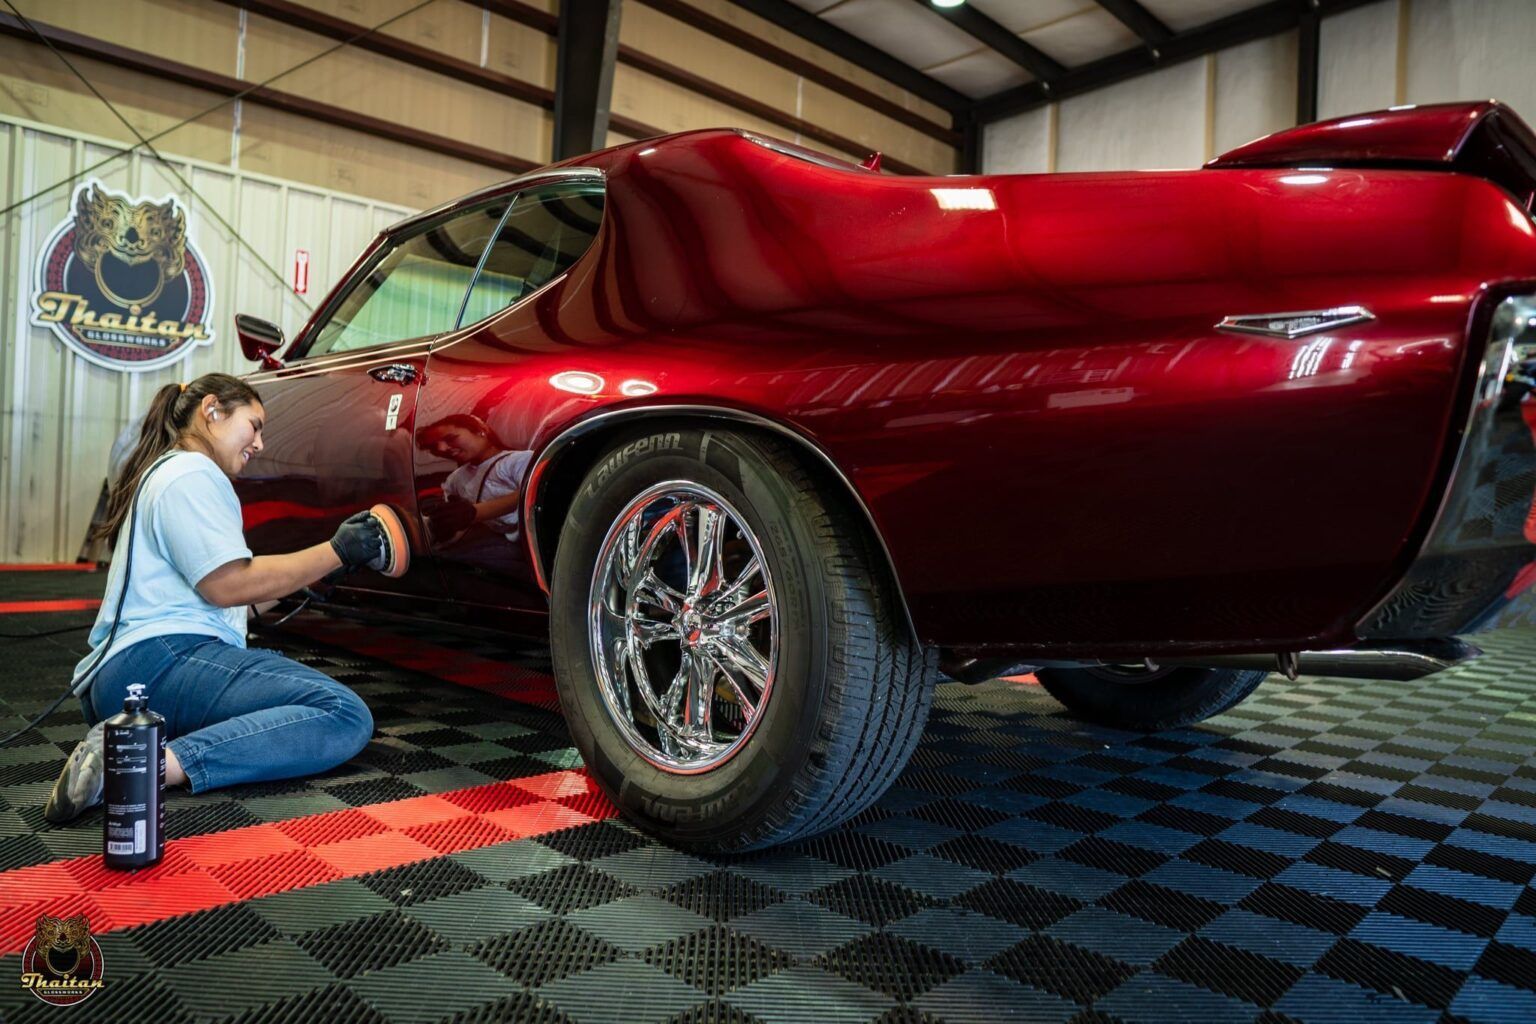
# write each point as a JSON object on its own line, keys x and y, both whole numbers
{"x": 1296, "y": 325}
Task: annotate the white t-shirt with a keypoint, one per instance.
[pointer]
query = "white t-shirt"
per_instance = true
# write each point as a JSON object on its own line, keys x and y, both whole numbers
{"x": 496, "y": 477}
{"x": 189, "y": 525}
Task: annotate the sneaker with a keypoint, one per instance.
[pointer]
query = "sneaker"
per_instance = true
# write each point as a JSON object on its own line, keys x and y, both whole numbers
{"x": 81, "y": 782}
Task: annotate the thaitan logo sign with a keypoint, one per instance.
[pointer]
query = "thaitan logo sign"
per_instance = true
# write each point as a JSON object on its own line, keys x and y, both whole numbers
{"x": 120, "y": 283}
{"x": 62, "y": 964}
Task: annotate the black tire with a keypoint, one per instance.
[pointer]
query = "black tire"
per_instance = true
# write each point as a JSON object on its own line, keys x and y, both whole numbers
{"x": 1148, "y": 701}
{"x": 852, "y": 687}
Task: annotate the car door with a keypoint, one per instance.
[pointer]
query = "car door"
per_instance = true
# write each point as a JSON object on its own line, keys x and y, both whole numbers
{"x": 474, "y": 427}
{"x": 341, "y": 412}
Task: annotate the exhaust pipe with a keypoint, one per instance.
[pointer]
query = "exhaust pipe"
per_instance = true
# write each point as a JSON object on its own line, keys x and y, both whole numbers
{"x": 1405, "y": 661}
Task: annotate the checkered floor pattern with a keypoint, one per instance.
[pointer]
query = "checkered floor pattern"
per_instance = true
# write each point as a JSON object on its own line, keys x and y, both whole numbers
{"x": 1330, "y": 850}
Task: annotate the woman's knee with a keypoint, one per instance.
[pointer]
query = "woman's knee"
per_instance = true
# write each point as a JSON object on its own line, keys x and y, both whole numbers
{"x": 357, "y": 719}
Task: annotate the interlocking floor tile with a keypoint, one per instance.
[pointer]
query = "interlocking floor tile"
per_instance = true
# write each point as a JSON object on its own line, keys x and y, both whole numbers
{"x": 1330, "y": 850}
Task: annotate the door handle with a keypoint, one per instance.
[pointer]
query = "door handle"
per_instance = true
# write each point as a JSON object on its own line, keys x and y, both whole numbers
{"x": 394, "y": 373}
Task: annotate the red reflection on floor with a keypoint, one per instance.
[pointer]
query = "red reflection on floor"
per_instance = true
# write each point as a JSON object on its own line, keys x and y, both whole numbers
{"x": 460, "y": 667}
{"x": 207, "y": 871}
{"x": 63, "y": 604}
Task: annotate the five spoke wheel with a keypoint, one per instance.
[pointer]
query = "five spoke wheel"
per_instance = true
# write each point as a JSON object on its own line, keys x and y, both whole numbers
{"x": 683, "y": 627}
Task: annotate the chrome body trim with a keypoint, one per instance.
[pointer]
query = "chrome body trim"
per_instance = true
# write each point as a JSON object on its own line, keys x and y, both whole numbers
{"x": 789, "y": 149}
{"x": 672, "y": 574}
{"x": 1297, "y": 324}
{"x": 562, "y": 441}
{"x": 1467, "y": 570}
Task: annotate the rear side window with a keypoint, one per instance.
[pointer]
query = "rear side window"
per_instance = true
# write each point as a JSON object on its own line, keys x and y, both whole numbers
{"x": 548, "y": 228}
{"x": 415, "y": 287}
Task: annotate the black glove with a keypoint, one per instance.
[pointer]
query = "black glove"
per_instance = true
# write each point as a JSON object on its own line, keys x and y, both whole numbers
{"x": 359, "y": 543}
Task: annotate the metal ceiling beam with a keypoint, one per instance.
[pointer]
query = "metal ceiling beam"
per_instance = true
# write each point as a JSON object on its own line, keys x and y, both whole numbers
{"x": 1265, "y": 20}
{"x": 1138, "y": 19}
{"x": 977, "y": 25}
{"x": 855, "y": 50}
{"x": 414, "y": 54}
{"x": 222, "y": 85}
{"x": 735, "y": 35}
{"x": 586, "y": 45}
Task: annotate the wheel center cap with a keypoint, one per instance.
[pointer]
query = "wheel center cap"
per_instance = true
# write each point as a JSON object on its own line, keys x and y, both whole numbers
{"x": 691, "y": 625}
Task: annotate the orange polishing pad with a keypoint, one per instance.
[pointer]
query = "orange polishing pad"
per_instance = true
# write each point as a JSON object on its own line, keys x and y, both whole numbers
{"x": 394, "y": 534}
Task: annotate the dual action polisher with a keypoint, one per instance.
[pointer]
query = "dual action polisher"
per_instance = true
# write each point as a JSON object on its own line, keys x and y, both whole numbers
{"x": 397, "y": 546}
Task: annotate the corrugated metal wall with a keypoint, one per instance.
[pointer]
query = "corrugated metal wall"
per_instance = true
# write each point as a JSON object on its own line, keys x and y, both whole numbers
{"x": 1395, "y": 51}
{"x": 60, "y": 413}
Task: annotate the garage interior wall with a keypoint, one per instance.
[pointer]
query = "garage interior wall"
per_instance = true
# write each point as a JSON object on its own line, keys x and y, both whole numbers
{"x": 1386, "y": 53}
{"x": 61, "y": 413}
{"x": 287, "y": 182}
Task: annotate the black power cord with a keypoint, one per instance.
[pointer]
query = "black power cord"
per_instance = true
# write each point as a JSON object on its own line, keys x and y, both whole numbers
{"x": 117, "y": 617}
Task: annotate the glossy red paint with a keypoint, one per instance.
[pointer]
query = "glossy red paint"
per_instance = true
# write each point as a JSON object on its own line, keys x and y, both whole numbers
{"x": 1019, "y": 376}
{"x": 1432, "y": 133}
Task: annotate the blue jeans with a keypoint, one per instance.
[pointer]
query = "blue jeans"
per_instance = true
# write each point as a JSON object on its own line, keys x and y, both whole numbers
{"x": 234, "y": 715}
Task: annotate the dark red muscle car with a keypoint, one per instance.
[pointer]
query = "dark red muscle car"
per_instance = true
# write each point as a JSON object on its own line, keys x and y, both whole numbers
{"x": 764, "y": 441}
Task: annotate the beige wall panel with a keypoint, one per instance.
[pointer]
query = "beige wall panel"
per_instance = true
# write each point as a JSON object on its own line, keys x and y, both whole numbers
{"x": 196, "y": 32}
{"x": 450, "y": 28}
{"x": 1357, "y": 60}
{"x": 831, "y": 110}
{"x": 1255, "y": 91}
{"x": 35, "y": 363}
{"x": 785, "y": 40}
{"x": 1154, "y": 121}
{"x": 61, "y": 413}
{"x": 520, "y": 51}
{"x": 656, "y": 34}
{"x": 652, "y": 32}
{"x": 380, "y": 87}
{"x": 1018, "y": 145}
{"x": 1470, "y": 51}
{"x": 675, "y": 109}
{"x": 34, "y": 85}
{"x": 288, "y": 146}
{"x": 13, "y": 325}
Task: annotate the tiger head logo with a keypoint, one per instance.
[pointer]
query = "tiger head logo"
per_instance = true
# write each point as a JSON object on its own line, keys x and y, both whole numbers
{"x": 64, "y": 942}
{"x": 118, "y": 239}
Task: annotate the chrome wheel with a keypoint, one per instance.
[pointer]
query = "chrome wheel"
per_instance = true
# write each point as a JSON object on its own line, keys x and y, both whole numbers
{"x": 683, "y": 627}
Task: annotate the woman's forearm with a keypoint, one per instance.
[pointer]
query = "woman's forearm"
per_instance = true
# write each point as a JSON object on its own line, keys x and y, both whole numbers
{"x": 495, "y": 508}
{"x": 267, "y": 577}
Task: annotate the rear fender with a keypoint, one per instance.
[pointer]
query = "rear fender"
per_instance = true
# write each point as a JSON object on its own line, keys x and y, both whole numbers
{"x": 564, "y": 461}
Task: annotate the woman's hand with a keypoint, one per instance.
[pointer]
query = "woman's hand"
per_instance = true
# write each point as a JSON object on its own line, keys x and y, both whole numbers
{"x": 360, "y": 544}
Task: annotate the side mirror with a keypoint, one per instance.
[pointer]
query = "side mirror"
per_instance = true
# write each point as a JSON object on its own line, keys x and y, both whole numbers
{"x": 259, "y": 339}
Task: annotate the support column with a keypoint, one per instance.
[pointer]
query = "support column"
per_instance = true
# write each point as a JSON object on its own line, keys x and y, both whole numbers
{"x": 587, "y": 44}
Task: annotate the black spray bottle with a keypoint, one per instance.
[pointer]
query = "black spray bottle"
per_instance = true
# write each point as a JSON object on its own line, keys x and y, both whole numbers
{"x": 134, "y": 749}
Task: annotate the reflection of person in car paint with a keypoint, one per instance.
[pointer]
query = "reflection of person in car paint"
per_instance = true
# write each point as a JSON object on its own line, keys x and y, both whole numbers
{"x": 484, "y": 489}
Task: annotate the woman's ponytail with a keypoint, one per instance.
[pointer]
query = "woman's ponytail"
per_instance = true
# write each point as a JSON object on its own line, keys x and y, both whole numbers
{"x": 169, "y": 415}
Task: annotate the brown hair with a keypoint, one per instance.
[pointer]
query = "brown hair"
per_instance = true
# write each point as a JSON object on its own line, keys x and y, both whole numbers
{"x": 464, "y": 420}
{"x": 169, "y": 417}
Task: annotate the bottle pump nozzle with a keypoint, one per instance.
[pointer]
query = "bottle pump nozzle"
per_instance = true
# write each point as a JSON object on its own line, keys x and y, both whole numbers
{"x": 135, "y": 699}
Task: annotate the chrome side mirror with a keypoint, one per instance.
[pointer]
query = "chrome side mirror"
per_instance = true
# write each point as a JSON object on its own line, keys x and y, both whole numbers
{"x": 259, "y": 339}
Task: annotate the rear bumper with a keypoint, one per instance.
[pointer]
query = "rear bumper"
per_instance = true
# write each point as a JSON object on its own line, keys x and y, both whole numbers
{"x": 1475, "y": 568}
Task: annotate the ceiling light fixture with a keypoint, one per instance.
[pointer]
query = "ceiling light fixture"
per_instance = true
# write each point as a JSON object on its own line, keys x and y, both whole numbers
{"x": 946, "y": 3}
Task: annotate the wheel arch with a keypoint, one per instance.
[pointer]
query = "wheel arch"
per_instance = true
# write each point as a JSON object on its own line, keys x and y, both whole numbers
{"x": 557, "y": 472}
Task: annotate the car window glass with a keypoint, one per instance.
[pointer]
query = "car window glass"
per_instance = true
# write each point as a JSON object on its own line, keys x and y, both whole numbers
{"x": 414, "y": 288}
{"x": 548, "y": 229}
